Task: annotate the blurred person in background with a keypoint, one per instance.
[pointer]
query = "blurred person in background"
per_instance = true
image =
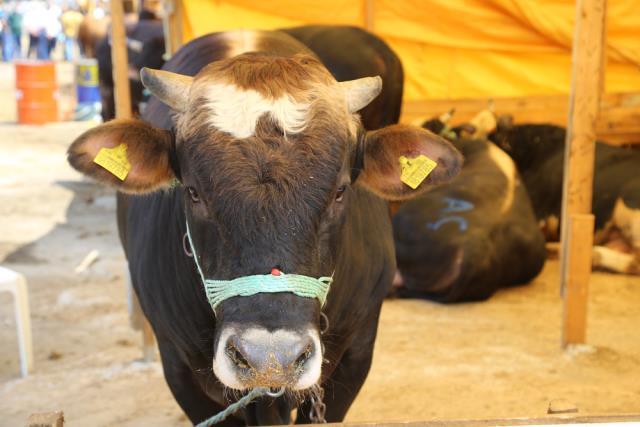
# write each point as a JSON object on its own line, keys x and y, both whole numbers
{"x": 14, "y": 20}
{"x": 70, "y": 20}
{"x": 52, "y": 27}
{"x": 3, "y": 36}
{"x": 34, "y": 23}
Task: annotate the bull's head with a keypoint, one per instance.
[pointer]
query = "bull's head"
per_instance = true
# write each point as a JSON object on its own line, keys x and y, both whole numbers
{"x": 264, "y": 151}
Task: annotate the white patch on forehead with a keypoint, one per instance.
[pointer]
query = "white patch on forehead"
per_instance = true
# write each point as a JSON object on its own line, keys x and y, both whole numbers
{"x": 236, "y": 111}
{"x": 241, "y": 41}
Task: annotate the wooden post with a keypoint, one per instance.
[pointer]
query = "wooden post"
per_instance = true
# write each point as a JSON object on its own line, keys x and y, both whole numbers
{"x": 369, "y": 15}
{"x": 584, "y": 102}
{"x": 148, "y": 341}
{"x": 138, "y": 320}
{"x": 580, "y": 242}
{"x": 120, "y": 61}
{"x": 173, "y": 15}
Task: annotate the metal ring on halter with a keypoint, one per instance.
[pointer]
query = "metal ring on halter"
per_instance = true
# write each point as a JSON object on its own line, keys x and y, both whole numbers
{"x": 326, "y": 323}
{"x": 185, "y": 245}
{"x": 276, "y": 393}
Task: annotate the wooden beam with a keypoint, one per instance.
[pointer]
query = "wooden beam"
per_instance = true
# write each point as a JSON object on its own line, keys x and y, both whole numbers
{"x": 548, "y": 421}
{"x": 120, "y": 61}
{"x": 369, "y": 15}
{"x": 584, "y": 102}
{"x": 618, "y": 120}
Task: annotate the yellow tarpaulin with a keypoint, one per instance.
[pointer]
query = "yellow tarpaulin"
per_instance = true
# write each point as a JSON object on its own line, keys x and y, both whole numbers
{"x": 454, "y": 48}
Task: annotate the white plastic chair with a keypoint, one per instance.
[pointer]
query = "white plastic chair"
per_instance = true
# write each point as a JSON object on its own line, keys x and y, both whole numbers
{"x": 13, "y": 282}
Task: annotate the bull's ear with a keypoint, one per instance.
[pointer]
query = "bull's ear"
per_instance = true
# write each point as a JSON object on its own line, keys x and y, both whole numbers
{"x": 400, "y": 157}
{"x": 130, "y": 155}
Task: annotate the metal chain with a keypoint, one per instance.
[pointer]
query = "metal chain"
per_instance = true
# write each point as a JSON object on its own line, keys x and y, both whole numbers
{"x": 318, "y": 408}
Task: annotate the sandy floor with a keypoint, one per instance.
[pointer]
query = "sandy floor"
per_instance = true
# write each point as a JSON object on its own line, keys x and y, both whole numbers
{"x": 496, "y": 359}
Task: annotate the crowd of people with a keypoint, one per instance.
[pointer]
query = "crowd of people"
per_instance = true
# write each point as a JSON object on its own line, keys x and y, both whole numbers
{"x": 34, "y": 29}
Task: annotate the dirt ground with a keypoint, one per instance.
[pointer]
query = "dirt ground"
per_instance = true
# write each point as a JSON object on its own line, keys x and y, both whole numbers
{"x": 499, "y": 358}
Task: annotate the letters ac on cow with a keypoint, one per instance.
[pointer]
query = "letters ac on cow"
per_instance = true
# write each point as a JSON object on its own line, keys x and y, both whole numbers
{"x": 269, "y": 166}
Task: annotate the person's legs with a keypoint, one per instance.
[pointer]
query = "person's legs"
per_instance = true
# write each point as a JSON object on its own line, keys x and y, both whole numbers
{"x": 69, "y": 43}
{"x": 51, "y": 45}
{"x": 43, "y": 46}
{"x": 7, "y": 46}
{"x": 33, "y": 45}
{"x": 18, "y": 42}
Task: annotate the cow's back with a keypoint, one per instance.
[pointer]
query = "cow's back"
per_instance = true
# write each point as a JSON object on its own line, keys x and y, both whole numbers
{"x": 539, "y": 149}
{"x": 360, "y": 54}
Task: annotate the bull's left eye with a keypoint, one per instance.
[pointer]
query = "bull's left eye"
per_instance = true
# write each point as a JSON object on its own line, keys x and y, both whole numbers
{"x": 340, "y": 193}
{"x": 193, "y": 194}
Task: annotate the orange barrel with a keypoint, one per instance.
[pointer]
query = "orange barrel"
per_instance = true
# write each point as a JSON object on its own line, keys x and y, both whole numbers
{"x": 36, "y": 92}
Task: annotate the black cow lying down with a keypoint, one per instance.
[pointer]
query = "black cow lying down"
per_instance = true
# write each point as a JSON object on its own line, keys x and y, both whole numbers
{"x": 465, "y": 240}
{"x": 262, "y": 156}
{"x": 538, "y": 151}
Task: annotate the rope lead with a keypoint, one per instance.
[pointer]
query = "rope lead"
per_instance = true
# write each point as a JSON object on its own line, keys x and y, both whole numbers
{"x": 244, "y": 401}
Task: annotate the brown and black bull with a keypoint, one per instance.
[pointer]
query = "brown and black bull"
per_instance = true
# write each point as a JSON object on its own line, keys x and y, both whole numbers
{"x": 263, "y": 155}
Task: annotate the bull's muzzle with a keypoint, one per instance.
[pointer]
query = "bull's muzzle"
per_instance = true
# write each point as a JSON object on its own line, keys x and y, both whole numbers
{"x": 256, "y": 357}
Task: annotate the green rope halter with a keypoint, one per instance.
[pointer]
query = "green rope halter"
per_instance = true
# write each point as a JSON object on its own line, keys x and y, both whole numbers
{"x": 220, "y": 290}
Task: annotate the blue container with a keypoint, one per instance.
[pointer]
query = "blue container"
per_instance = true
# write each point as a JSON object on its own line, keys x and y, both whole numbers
{"x": 88, "y": 94}
{"x": 88, "y": 90}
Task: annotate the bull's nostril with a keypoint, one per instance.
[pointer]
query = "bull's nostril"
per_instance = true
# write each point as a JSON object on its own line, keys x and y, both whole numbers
{"x": 236, "y": 357}
{"x": 304, "y": 356}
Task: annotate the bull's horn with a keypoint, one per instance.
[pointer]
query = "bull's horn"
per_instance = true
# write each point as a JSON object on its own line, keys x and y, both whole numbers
{"x": 360, "y": 92}
{"x": 170, "y": 88}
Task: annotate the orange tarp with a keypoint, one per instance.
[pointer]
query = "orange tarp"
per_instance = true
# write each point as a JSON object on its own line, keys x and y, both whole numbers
{"x": 455, "y": 48}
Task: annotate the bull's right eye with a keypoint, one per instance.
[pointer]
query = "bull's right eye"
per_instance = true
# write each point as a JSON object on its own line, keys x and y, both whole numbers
{"x": 193, "y": 194}
{"x": 340, "y": 193}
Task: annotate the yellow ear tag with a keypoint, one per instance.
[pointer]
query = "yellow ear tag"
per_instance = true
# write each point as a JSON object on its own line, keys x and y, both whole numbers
{"x": 416, "y": 170}
{"x": 114, "y": 160}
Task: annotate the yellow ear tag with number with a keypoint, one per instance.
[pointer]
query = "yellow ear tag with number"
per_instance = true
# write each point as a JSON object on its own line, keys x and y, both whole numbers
{"x": 416, "y": 170}
{"x": 114, "y": 160}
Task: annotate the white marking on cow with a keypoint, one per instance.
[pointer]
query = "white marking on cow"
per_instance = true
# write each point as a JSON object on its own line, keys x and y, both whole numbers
{"x": 628, "y": 221}
{"x": 311, "y": 374}
{"x": 236, "y": 111}
{"x": 613, "y": 260}
{"x": 241, "y": 41}
{"x": 281, "y": 339}
{"x": 278, "y": 340}
{"x": 222, "y": 365}
{"x": 508, "y": 168}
